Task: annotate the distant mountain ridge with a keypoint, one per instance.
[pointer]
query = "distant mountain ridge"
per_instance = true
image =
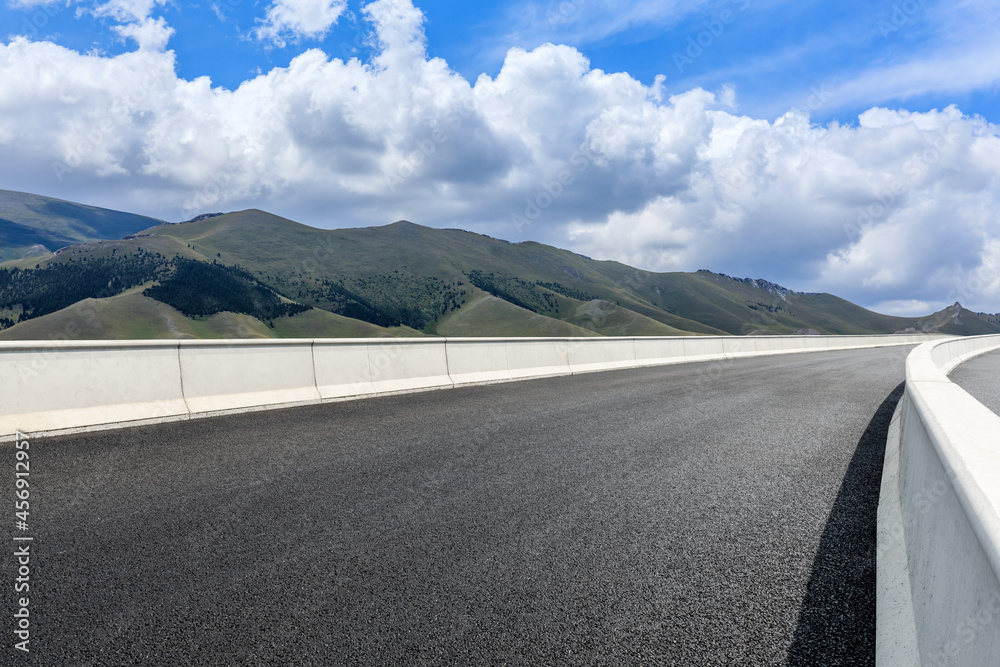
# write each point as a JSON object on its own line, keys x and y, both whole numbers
{"x": 33, "y": 225}
{"x": 766, "y": 285}
{"x": 275, "y": 277}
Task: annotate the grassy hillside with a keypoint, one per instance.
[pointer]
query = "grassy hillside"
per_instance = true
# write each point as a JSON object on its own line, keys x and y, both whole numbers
{"x": 387, "y": 268}
{"x": 992, "y": 318}
{"x": 404, "y": 279}
{"x": 318, "y": 323}
{"x": 609, "y": 319}
{"x": 957, "y": 321}
{"x": 487, "y": 315}
{"x": 404, "y": 263}
{"x": 134, "y": 316}
{"x": 34, "y": 226}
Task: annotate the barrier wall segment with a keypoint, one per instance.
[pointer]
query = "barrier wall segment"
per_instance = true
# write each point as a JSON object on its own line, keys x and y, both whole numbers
{"x": 938, "y": 580}
{"x": 266, "y": 372}
{"x": 475, "y": 360}
{"x": 59, "y": 386}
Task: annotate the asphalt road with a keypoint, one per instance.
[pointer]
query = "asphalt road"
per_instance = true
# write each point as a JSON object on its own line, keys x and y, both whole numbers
{"x": 712, "y": 513}
{"x": 980, "y": 376}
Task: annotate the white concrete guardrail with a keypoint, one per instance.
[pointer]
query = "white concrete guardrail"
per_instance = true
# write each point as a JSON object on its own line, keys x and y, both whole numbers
{"x": 938, "y": 558}
{"x": 63, "y": 386}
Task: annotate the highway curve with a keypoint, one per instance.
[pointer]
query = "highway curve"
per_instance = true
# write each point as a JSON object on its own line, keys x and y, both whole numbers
{"x": 711, "y": 513}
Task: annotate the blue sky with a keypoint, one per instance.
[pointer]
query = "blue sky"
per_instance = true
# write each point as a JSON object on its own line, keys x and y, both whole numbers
{"x": 842, "y": 147}
{"x": 775, "y": 53}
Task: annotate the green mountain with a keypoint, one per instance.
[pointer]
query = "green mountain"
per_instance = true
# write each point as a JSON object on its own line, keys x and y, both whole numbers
{"x": 252, "y": 273}
{"x": 132, "y": 316}
{"x": 36, "y": 226}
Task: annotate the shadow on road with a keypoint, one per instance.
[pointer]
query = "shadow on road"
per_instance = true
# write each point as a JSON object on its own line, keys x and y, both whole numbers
{"x": 837, "y": 619}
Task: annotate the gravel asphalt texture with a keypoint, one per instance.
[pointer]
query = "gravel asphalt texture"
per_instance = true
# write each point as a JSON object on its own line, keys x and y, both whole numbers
{"x": 980, "y": 376}
{"x": 709, "y": 513}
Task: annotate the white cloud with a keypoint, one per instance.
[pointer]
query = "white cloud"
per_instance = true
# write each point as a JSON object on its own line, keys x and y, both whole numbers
{"x": 901, "y": 207}
{"x": 128, "y": 11}
{"x": 292, "y": 20}
{"x": 148, "y": 34}
{"x": 909, "y": 307}
{"x": 136, "y": 23}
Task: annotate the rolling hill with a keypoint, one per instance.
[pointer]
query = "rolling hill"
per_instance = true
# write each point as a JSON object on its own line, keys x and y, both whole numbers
{"x": 35, "y": 226}
{"x": 132, "y": 316}
{"x": 251, "y": 273}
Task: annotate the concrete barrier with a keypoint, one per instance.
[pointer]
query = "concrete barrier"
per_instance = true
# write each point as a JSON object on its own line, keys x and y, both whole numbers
{"x": 235, "y": 374}
{"x": 538, "y": 357}
{"x": 740, "y": 346}
{"x": 704, "y": 348}
{"x": 407, "y": 364}
{"x": 343, "y": 368}
{"x": 55, "y": 386}
{"x": 474, "y": 360}
{"x": 775, "y": 345}
{"x": 815, "y": 343}
{"x": 659, "y": 351}
{"x": 603, "y": 355}
{"x": 939, "y": 518}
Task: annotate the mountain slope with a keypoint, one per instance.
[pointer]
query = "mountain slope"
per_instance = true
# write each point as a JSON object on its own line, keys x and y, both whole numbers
{"x": 487, "y": 316}
{"x": 32, "y": 225}
{"x": 958, "y": 321}
{"x": 132, "y": 316}
{"x": 405, "y": 279}
{"x": 402, "y": 262}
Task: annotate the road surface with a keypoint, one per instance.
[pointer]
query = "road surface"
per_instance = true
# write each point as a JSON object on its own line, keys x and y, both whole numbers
{"x": 709, "y": 513}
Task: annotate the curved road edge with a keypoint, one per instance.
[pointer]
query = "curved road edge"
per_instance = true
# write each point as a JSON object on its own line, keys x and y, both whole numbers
{"x": 938, "y": 565}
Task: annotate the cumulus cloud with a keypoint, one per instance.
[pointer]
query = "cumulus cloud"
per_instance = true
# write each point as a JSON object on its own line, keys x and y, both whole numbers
{"x": 148, "y": 34}
{"x": 298, "y": 19}
{"x": 127, "y": 11}
{"x": 136, "y": 22}
{"x": 897, "y": 210}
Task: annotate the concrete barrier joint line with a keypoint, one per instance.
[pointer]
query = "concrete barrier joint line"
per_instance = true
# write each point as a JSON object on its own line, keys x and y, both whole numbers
{"x": 447, "y": 363}
{"x": 312, "y": 353}
{"x": 180, "y": 375}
